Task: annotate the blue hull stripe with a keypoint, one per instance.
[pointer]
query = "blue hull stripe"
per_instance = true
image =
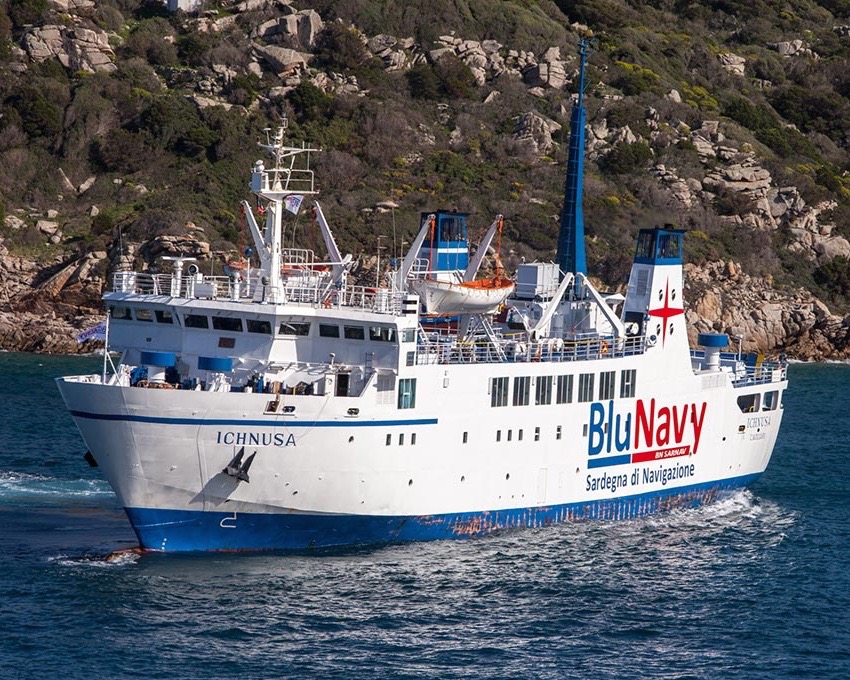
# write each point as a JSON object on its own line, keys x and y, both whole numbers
{"x": 191, "y": 531}
{"x": 277, "y": 421}
{"x": 610, "y": 460}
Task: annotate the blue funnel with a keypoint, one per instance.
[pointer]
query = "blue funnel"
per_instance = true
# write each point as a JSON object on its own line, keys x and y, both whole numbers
{"x": 571, "y": 257}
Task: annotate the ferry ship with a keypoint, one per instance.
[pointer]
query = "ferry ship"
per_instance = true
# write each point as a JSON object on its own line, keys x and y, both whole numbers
{"x": 284, "y": 407}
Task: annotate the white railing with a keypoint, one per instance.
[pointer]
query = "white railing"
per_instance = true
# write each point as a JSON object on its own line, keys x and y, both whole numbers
{"x": 309, "y": 287}
{"x": 748, "y": 369}
{"x": 437, "y": 348}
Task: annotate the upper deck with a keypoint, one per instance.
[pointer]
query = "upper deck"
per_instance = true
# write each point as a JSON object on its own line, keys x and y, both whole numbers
{"x": 311, "y": 287}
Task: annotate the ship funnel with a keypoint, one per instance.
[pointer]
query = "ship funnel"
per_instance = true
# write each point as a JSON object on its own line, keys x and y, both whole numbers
{"x": 571, "y": 255}
{"x": 712, "y": 343}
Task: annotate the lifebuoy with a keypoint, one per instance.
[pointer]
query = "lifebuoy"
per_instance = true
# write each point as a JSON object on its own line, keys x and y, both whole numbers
{"x": 603, "y": 347}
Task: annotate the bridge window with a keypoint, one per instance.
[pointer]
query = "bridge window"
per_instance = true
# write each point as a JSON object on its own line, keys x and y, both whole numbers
{"x": 164, "y": 316}
{"x": 382, "y": 333}
{"x": 227, "y": 323}
{"x": 144, "y": 315}
{"x": 196, "y": 321}
{"x": 451, "y": 229}
{"x": 327, "y": 330}
{"x": 294, "y": 328}
{"x": 120, "y": 313}
{"x": 644, "y": 245}
{"x": 259, "y": 326}
{"x": 771, "y": 401}
{"x": 669, "y": 246}
{"x": 354, "y": 333}
{"x": 748, "y": 403}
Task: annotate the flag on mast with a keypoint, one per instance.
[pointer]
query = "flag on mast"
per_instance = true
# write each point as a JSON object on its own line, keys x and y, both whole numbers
{"x": 293, "y": 203}
{"x": 97, "y": 332}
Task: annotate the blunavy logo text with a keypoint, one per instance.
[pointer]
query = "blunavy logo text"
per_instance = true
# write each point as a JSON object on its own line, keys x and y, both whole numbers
{"x": 663, "y": 431}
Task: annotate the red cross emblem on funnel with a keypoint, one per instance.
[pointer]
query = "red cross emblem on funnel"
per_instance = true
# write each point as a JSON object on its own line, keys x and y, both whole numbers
{"x": 666, "y": 312}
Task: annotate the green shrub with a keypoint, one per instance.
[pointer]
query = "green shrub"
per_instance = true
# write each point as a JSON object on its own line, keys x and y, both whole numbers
{"x": 243, "y": 89}
{"x": 173, "y": 124}
{"x": 39, "y": 117}
{"x": 150, "y": 40}
{"x": 839, "y": 8}
{"x": 339, "y": 48}
{"x": 194, "y": 47}
{"x": 834, "y": 278}
{"x": 786, "y": 142}
{"x": 450, "y": 167}
{"x": 24, "y": 12}
{"x": 814, "y": 110}
{"x": 633, "y": 79}
{"x": 731, "y": 202}
{"x": 626, "y": 158}
{"x": 743, "y": 111}
{"x": 456, "y": 80}
{"x": 423, "y": 82}
{"x": 309, "y": 102}
{"x": 5, "y": 34}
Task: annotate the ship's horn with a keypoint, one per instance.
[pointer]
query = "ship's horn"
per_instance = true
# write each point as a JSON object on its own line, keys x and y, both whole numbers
{"x": 235, "y": 465}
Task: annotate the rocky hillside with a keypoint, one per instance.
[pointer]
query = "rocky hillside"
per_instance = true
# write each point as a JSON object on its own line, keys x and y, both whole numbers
{"x": 127, "y": 133}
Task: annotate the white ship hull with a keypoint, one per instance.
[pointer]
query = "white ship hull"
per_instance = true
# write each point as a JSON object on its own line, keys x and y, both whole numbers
{"x": 454, "y": 467}
{"x": 293, "y": 410}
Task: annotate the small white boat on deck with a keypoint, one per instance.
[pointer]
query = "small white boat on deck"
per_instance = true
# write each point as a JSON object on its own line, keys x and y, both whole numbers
{"x": 436, "y": 275}
{"x": 483, "y": 296}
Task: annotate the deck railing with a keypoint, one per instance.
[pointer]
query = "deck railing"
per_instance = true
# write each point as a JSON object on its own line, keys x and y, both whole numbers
{"x": 747, "y": 369}
{"x": 446, "y": 349}
{"x": 310, "y": 288}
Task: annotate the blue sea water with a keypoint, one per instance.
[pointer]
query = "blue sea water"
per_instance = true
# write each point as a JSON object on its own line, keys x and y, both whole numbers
{"x": 755, "y": 586}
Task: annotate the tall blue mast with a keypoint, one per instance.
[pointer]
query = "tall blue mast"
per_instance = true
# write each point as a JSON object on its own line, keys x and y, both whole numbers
{"x": 571, "y": 257}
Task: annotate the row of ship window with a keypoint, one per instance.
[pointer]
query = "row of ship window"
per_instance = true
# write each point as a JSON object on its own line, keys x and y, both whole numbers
{"x": 264, "y": 326}
{"x": 509, "y": 436}
{"x": 560, "y": 388}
